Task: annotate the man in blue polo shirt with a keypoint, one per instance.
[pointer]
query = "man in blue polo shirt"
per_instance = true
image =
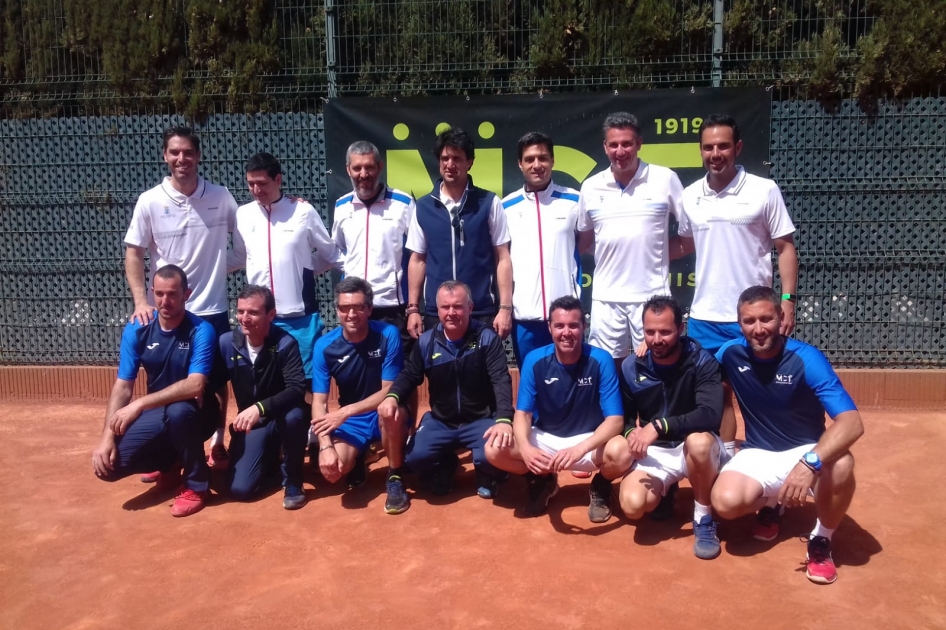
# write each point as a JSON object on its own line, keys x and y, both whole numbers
{"x": 570, "y": 390}
{"x": 364, "y": 357}
{"x": 784, "y": 387}
{"x": 166, "y": 428}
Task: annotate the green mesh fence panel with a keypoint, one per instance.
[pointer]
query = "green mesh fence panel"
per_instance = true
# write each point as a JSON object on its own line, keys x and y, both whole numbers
{"x": 67, "y": 190}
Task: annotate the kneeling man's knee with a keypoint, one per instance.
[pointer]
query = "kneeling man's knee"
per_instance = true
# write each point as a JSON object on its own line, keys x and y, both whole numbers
{"x": 699, "y": 445}
{"x": 727, "y": 501}
{"x": 841, "y": 469}
{"x": 617, "y": 455}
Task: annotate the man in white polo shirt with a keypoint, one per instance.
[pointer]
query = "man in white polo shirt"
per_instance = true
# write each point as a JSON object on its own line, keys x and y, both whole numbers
{"x": 625, "y": 210}
{"x": 542, "y": 218}
{"x": 734, "y": 219}
{"x": 185, "y": 221}
{"x": 276, "y": 236}
{"x": 370, "y": 227}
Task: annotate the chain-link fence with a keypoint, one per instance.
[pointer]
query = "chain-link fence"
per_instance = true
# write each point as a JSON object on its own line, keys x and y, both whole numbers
{"x": 866, "y": 190}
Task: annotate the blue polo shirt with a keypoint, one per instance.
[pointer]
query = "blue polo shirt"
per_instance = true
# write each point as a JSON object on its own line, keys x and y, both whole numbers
{"x": 358, "y": 368}
{"x": 783, "y": 400}
{"x": 169, "y": 356}
{"x": 568, "y": 400}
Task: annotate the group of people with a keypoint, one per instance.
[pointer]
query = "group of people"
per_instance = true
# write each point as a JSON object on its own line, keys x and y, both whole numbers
{"x": 646, "y": 400}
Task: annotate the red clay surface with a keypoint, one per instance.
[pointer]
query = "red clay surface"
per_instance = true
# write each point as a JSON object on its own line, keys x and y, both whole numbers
{"x": 80, "y": 553}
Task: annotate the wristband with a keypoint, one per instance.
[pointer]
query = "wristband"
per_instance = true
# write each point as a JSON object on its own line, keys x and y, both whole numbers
{"x": 503, "y": 421}
{"x": 627, "y": 433}
{"x": 505, "y": 307}
{"x": 394, "y": 396}
{"x": 791, "y": 297}
{"x": 412, "y": 310}
{"x": 809, "y": 466}
{"x": 259, "y": 406}
{"x": 660, "y": 424}
{"x": 413, "y": 306}
{"x": 325, "y": 448}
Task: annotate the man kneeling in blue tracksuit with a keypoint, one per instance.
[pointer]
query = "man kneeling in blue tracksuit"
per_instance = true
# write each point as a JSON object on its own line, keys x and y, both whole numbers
{"x": 265, "y": 369}
{"x": 470, "y": 393}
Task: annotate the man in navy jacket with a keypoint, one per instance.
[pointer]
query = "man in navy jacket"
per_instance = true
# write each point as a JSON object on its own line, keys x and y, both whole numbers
{"x": 470, "y": 393}
{"x": 673, "y": 402}
{"x": 459, "y": 233}
{"x": 265, "y": 369}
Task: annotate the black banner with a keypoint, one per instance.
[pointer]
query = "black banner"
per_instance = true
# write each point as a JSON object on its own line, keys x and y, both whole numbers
{"x": 404, "y": 129}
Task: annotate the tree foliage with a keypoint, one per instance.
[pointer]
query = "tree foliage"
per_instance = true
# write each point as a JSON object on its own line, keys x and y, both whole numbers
{"x": 197, "y": 56}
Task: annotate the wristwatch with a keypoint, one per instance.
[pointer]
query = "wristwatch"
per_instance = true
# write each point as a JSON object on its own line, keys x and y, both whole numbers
{"x": 812, "y": 460}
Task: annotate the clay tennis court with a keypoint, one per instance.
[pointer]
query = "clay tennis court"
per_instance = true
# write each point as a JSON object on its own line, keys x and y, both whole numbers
{"x": 80, "y": 553}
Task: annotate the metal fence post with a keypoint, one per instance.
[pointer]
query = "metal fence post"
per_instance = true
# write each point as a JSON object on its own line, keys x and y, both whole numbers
{"x": 330, "y": 43}
{"x": 718, "y": 13}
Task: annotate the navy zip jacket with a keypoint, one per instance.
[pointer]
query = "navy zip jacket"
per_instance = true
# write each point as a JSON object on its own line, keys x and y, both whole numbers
{"x": 690, "y": 398}
{"x": 276, "y": 381}
{"x": 470, "y": 254}
{"x": 467, "y": 381}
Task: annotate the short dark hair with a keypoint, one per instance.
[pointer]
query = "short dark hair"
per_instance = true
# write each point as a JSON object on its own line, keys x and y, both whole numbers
{"x": 456, "y": 138}
{"x": 533, "y": 138}
{"x": 169, "y": 272}
{"x": 659, "y": 303}
{"x": 567, "y": 303}
{"x": 255, "y": 290}
{"x": 264, "y": 162}
{"x": 622, "y": 120}
{"x": 721, "y": 120}
{"x": 354, "y": 284}
{"x": 453, "y": 285}
{"x": 757, "y": 294}
{"x": 180, "y": 132}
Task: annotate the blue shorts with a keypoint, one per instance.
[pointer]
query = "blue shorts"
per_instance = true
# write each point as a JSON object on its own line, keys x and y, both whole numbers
{"x": 306, "y": 330}
{"x": 527, "y": 335}
{"x": 712, "y": 335}
{"x": 359, "y": 431}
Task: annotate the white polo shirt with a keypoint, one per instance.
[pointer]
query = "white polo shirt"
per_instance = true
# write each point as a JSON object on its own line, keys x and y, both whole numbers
{"x": 190, "y": 232}
{"x": 542, "y": 226}
{"x": 277, "y": 245}
{"x": 733, "y": 232}
{"x": 631, "y": 231}
{"x": 371, "y": 241}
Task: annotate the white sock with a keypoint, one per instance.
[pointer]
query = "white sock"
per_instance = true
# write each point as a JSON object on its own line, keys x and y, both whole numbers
{"x": 821, "y": 530}
{"x": 730, "y": 448}
{"x": 700, "y": 510}
{"x": 217, "y": 437}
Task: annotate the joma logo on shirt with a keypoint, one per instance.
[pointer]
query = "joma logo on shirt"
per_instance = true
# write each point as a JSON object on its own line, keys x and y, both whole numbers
{"x": 783, "y": 379}
{"x": 584, "y": 381}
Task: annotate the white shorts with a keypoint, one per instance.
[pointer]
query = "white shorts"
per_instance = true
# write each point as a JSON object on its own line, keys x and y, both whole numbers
{"x": 552, "y": 444}
{"x": 617, "y": 327}
{"x": 769, "y": 468}
{"x": 669, "y": 465}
